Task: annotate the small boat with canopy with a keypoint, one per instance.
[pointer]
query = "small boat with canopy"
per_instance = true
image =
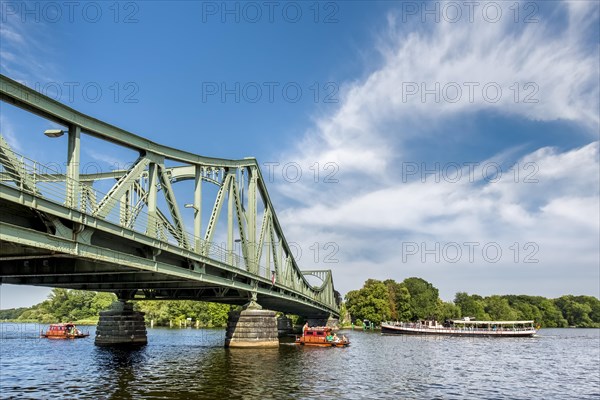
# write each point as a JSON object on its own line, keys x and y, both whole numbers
{"x": 321, "y": 336}
{"x": 63, "y": 331}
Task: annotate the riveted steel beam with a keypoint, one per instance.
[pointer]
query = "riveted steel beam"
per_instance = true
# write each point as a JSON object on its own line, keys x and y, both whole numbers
{"x": 78, "y": 202}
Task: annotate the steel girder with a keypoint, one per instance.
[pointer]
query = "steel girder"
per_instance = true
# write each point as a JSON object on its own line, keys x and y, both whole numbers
{"x": 131, "y": 206}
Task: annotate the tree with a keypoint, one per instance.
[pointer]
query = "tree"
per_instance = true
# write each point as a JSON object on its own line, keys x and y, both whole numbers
{"x": 403, "y": 304}
{"x": 471, "y": 306}
{"x": 393, "y": 289}
{"x": 446, "y": 310}
{"x": 499, "y": 310}
{"x": 423, "y": 298}
{"x": 577, "y": 310}
{"x": 371, "y": 302}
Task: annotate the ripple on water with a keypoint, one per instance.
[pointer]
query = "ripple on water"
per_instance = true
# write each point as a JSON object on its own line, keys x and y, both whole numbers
{"x": 182, "y": 364}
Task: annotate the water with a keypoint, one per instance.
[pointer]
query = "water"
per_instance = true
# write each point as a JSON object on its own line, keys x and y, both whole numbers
{"x": 192, "y": 364}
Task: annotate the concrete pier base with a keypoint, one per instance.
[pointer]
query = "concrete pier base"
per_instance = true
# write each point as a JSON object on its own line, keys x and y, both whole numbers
{"x": 284, "y": 326}
{"x": 329, "y": 322}
{"x": 251, "y": 328}
{"x": 121, "y": 326}
{"x": 333, "y": 323}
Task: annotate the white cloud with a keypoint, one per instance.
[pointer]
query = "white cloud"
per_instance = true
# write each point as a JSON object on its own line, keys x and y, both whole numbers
{"x": 372, "y": 211}
{"x": 24, "y": 56}
{"x": 8, "y": 132}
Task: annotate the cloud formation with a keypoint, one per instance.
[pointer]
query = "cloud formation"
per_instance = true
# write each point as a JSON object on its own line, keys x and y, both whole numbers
{"x": 433, "y": 75}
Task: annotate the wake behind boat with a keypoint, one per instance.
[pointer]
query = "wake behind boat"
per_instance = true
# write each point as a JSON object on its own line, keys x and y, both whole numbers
{"x": 462, "y": 327}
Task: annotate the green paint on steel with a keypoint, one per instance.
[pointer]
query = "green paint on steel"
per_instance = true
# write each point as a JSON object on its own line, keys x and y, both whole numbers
{"x": 120, "y": 211}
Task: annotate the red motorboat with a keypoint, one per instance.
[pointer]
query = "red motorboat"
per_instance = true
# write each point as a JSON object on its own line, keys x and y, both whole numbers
{"x": 63, "y": 331}
{"x": 321, "y": 336}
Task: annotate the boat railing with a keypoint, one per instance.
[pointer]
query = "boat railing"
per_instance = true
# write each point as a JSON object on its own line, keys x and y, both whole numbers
{"x": 491, "y": 328}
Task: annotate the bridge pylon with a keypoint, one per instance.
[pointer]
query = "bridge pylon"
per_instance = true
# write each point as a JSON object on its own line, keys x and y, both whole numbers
{"x": 121, "y": 326}
{"x": 252, "y": 326}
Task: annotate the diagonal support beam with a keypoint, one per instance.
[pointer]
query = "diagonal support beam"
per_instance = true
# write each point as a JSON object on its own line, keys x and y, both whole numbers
{"x": 165, "y": 182}
{"x": 251, "y": 212}
{"x": 265, "y": 227}
{"x": 15, "y": 168}
{"x": 124, "y": 184}
{"x": 216, "y": 212}
{"x": 240, "y": 218}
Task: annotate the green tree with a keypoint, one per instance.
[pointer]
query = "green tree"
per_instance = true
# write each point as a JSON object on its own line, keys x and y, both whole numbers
{"x": 471, "y": 306}
{"x": 446, "y": 310}
{"x": 498, "y": 309}
{"x": 371, "y": 302}
{"x": 393, "y": 289}
{"x": 423, "y": 298}
{"x": 177, "y": 311}
{"x": 403, "y": 304}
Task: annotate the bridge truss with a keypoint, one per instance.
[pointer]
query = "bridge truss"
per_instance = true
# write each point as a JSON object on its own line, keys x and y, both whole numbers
{"x": 60, "y": 229}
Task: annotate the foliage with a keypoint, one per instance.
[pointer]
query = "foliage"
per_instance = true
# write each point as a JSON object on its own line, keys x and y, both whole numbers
{"x": 68, "y": 305}
{"x": 423, "y": 298}
{"x": 377, "y": 301}
{"x": 415, "y": 298}
{"x": 177, "y": 311}
{"x": 65, "y": 305}
{"x": 11, "y": 313}
{"x": 371, "y": 302}
{"x": 471, "y": 306}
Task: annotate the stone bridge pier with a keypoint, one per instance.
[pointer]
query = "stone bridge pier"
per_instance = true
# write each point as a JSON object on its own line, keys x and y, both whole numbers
{"x": 252, "y": 327}
{"x": 330, "y": 322}
{"x": 121, "y": 326}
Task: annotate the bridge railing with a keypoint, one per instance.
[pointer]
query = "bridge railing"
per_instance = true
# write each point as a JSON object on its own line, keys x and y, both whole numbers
{"x": 47, "y": 182}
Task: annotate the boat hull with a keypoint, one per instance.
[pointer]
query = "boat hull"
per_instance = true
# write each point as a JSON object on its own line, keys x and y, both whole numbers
{"x": 326, "y": 344}
{"x": 62, "y": 337}
{"x": 63, "y": 331}
{"x": 400, "y": 330}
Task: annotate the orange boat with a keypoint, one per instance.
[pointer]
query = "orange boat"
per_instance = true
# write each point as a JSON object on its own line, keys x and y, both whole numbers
{"x": 63, "y": 331}
{"x": 321, "y": 336}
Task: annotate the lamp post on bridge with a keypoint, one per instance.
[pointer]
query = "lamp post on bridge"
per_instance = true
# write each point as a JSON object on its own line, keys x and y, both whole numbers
{"x": 238, "y": 251}
{"x": 73, "y": 157}
{"x": 197, "y": 226}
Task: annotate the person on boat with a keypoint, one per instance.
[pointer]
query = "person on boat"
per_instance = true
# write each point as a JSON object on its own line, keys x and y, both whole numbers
{"x": 304, "y": 329}
{"x": 344, "y": 339}
{"x": 335, "y": 338}
{"x": 329, "y": 337}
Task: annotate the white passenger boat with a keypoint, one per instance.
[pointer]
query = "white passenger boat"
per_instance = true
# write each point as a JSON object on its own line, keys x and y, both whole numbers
{"x": 461, "y": 327}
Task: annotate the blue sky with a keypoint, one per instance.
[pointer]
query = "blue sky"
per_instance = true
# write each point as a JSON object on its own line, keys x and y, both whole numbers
{"x": 443, "y": 133}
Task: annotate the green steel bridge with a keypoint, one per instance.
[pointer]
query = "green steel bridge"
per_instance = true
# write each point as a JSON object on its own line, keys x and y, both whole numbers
{"x": 58, "y": 229}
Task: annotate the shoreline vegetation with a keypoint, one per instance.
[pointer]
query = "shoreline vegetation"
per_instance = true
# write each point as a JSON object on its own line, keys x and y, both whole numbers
{"x": 377, "y": 301}
{"x": 415, "y": 299}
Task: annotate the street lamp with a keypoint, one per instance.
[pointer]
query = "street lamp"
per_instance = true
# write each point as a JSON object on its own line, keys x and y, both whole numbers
{"x": 54, "y": 133}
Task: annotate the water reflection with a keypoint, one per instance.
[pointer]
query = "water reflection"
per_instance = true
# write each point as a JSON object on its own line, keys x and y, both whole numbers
{"x": 117, "y": 367}
{"x": 184, "y": 364}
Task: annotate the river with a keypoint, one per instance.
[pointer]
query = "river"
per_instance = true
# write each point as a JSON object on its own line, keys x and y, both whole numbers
{"x": 192, "y": 364}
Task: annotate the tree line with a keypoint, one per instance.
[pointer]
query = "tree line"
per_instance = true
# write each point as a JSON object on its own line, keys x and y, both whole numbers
{"x": 414, "y": 299}
{"x": 82, "y": 306}
{"x": 409, "y": 300}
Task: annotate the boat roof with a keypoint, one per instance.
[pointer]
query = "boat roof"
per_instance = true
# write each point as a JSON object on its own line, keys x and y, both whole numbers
{"x": 318, "y": 328}
{"x": 462, "y": 321}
